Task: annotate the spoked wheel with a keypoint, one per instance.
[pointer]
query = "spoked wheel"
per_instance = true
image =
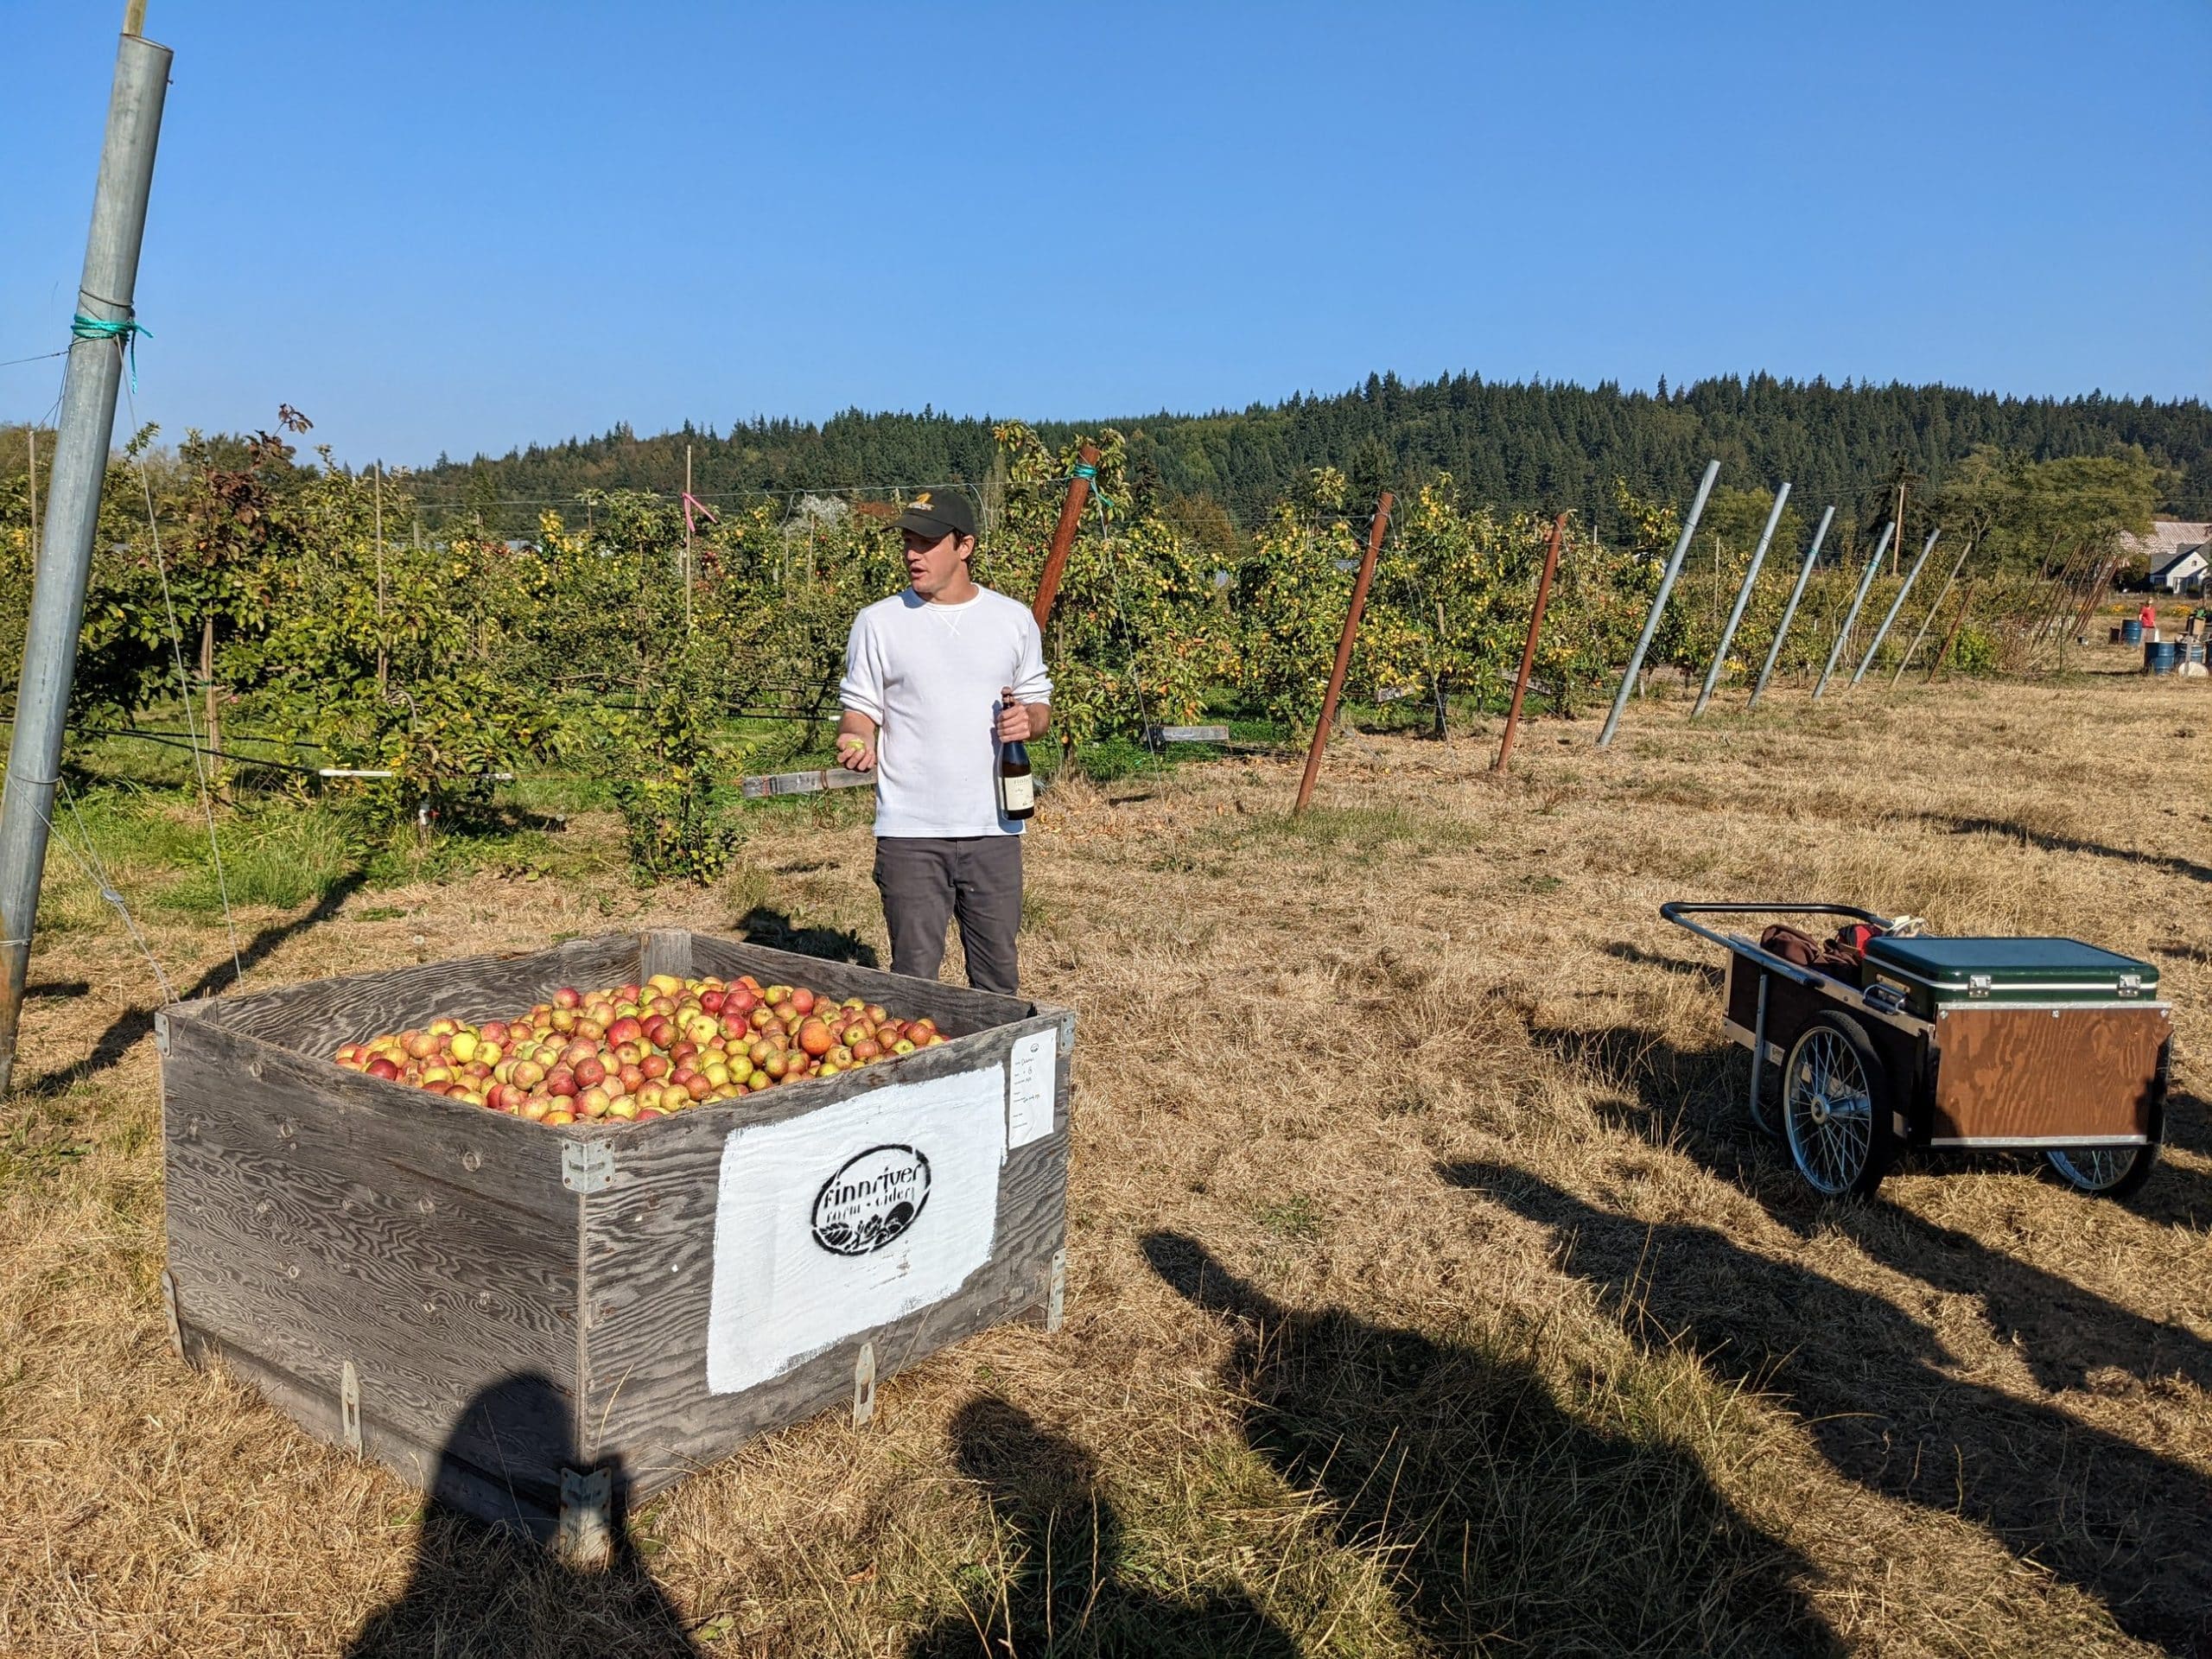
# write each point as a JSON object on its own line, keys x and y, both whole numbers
{"x": 2104, "y": 1172}
{"x": 1835, "y": 1108}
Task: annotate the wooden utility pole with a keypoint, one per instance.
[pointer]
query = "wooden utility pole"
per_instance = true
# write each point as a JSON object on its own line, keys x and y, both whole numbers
{"x": 103, "y": 325}
{"x": 1529, "y": 651}
{"x": 1056, "y": 560}
{"x": 687, "y": 540}
{"x": 1359, "y": 587}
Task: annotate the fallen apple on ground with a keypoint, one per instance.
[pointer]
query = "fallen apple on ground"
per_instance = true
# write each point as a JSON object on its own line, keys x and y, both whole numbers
{"x": 641, "y": 1051}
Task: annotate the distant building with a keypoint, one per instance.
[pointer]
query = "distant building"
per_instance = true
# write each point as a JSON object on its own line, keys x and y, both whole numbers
{"x": 2181, "y": 574}
{"x": 2177, "y": 553}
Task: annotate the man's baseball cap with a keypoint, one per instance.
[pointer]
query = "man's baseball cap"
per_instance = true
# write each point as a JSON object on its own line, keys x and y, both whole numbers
{"x": 939, "y": 514}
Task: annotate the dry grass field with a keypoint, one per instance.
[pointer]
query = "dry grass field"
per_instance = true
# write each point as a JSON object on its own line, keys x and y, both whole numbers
{"x": 1430, "y": 1293}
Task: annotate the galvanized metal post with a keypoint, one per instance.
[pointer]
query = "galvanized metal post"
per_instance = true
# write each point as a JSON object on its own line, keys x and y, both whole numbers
{"x": 1873, "y": 566}
{"x": 1789, "y": 611}
{"x": 1359, "y": 587}
{"x": 1743, "y": 597}
{"x": 80, "y": 451}
{"x": 1928, "y": 620}
{"x": 1897, "y": 604}
{"x": 1056, "y": 559}
{"x": 1529, "y": 651}
{"x": 1659, "y": 603}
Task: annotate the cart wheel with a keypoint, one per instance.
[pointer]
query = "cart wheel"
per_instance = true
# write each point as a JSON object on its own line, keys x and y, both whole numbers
{"x": 1836, "y": 1107}
{"x": 2104, "y": 1172}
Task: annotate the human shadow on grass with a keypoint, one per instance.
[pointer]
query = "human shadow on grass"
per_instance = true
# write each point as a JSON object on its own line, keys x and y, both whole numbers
{"x": 1692, "y": 1102}
{"x": 1067, "y": 1590}
{"x": 1864, "y": 1380}
{"x": 762, "y": 925}
{"x": 1511, "y": 1522}
{"x": 2165, "y": 863}
{"x": 492, "y": 1588}
{"x": 133, "y": 1025}
{"x": 1620, "y": 950}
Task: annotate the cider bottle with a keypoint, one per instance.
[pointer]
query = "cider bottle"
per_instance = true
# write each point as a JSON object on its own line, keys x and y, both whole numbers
{"x": 1017, "y": 786}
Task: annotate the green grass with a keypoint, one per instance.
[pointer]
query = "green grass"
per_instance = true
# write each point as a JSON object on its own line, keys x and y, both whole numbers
{"x": 280, "y": 860}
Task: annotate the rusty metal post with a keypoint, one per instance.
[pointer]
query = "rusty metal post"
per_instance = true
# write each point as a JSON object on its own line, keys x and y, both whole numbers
{"x": 1343, "y": 653}
{"x": 1056, "y": 561}
{"x": 1529, "y": 651}
{"x": 1943, "y": 650}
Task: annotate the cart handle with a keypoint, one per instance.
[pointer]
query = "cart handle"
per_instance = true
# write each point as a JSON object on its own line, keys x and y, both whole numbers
{"x": 1679, "y": 910}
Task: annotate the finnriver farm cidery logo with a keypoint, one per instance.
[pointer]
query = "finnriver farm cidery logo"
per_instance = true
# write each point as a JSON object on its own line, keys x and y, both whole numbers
{"x": 872, "y": 1200}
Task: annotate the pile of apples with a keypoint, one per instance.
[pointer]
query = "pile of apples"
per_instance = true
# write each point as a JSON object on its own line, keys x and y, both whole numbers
{"x": 641, "y": 1051}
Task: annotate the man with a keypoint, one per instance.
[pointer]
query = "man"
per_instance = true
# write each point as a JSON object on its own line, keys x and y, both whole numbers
{"x": 936, "y": 678}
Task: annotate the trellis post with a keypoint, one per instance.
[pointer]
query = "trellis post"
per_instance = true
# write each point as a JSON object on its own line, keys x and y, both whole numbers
{"x": 1344, "y": 654}
{"x": 102, "y": 329}
{"x": 1659, "y": 602}
{"x": 1897, "y": 604}
{"x": 1789, "y": 611}
{"x": 1743, "y": 597}
{"x": 1873, "y": 566}
{"x": 1529, "y": 651}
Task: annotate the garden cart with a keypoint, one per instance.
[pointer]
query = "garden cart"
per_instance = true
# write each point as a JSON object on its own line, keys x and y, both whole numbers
{"x": 1884, "y": 1038}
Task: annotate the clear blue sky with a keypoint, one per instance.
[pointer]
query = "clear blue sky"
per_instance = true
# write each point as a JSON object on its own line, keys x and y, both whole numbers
{"x": 466, "y": 227}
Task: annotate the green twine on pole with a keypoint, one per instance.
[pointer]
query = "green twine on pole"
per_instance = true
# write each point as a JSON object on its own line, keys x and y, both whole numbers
{"x": 1088, "y": 474}
{"x": 126, "y": 329}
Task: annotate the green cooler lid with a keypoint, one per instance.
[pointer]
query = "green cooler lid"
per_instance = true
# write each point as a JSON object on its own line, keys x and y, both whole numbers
{"x": 2007, "y": 961}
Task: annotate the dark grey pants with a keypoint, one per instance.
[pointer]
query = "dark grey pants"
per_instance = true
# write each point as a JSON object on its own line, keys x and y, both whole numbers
{"x": 926, "y": 881}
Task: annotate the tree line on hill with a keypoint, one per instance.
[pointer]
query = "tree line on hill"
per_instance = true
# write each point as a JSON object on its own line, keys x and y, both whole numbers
{"x": 1514, "y": 446}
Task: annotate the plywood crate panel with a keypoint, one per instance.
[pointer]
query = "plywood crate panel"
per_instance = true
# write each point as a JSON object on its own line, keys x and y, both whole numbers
{"x": 494, "y": 1306}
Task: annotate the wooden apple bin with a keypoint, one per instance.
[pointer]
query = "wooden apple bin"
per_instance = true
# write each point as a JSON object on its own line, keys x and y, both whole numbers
{"x": 538, "y": 1324}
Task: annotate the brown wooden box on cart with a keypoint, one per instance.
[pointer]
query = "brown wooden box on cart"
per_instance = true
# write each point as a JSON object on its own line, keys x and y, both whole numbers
{"x": 537, "y": 1324}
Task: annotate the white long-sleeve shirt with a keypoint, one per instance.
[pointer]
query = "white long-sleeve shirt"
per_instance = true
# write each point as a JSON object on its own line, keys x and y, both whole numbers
{"x": 928, "y": 676}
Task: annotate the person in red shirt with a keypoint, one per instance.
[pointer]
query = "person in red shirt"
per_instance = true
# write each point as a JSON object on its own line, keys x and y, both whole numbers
{"x": 2149, "y": 616}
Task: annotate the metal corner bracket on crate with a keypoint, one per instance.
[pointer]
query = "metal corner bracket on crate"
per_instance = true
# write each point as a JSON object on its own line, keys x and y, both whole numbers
{"x": 587, "y": 1165}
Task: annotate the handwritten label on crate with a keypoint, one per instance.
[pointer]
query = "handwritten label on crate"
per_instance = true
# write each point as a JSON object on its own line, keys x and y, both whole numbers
{"x": 849, "y": 1217}
{"x": 1031, "y": 1078}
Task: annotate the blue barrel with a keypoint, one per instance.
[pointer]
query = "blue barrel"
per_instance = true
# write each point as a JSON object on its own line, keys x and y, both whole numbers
{"x": 2161, "y": 656}
{"x": 2131, "y": 632}
{"x": 2192, "y": 651}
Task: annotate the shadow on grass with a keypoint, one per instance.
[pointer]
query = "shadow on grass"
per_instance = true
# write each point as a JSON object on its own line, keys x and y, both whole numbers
{"x": 1065, "y": 1590}
{"x": 1513, "y": 1524}
{"x": 134, "y": 1025}
{"x": 1713, "y": 976}
{"x": 1864, "y": 1380}
{"x": 761, "y": 925}
{"x": 2162, "y": 863}
{"x": 480, "y": 1588}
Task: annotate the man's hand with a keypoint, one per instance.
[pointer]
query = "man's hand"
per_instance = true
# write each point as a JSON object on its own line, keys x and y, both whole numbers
{"x": 1013, "y": 718}
{"x": 856, "y": 753}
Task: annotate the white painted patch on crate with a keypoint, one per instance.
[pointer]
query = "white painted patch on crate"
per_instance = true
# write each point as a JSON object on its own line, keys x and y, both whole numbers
{"x": 1030, "y": 1087}
{"x": 913, "y": 1164}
